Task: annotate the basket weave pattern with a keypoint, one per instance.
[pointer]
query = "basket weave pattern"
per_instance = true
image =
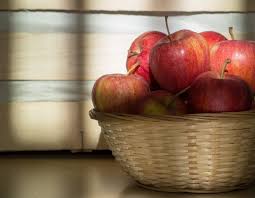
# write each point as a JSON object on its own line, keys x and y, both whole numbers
{"x": 191, "y": 153}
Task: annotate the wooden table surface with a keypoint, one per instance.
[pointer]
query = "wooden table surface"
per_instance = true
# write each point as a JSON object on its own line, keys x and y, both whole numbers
{"x": 78, "y": 176}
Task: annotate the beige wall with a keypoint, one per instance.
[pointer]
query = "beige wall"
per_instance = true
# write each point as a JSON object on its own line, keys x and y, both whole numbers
{"x": 50, "y": 60}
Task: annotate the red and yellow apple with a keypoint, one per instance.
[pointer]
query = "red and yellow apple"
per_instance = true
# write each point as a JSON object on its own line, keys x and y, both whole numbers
{"x": 119, "y": 93}
{"x": 212, "y": 38}
{"x": 138, "y": 54}
{"x": 178, "y": 59}
{"x": 242, "y": 55}
{"x": 161, "y": 102}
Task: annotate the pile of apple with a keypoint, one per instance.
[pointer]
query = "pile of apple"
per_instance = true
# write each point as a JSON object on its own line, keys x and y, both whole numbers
{"x": 183, "y": 72}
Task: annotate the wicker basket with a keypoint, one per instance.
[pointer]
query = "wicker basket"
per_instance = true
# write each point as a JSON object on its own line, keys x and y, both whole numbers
{"x": 204, "y": 153}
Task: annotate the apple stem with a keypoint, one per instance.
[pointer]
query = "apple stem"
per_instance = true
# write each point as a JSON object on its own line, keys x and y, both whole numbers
{"x": 136, "y": 52}
{"x": 133, "y": 68}
{"x": 139, "y": 46}
{"x": 178, "y": 94}
{"x": 168, "y": 31}
{"x": 230, "y": 30}
{"x": 182, "y": 91}
{"x": 227, "y": 61}
{"x": 132, "y": 54}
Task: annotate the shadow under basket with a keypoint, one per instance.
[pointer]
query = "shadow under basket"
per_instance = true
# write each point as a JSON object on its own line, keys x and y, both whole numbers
{"x": 201, "y": 153}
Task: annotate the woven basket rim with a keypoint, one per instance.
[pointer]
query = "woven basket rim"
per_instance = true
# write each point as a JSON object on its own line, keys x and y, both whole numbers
{"x": 97, "y": 115}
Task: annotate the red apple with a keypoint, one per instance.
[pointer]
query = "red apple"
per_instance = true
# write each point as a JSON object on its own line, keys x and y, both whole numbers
{"x": 161, "y": 102}
{"x": 138, "y": 54}
{"x": 242, "y": 55}
{"x": 212, "y": 38}
{"x": 178, "y": 59}
{"x": 212, "y": 92}
{"x": 119, "y": 93}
